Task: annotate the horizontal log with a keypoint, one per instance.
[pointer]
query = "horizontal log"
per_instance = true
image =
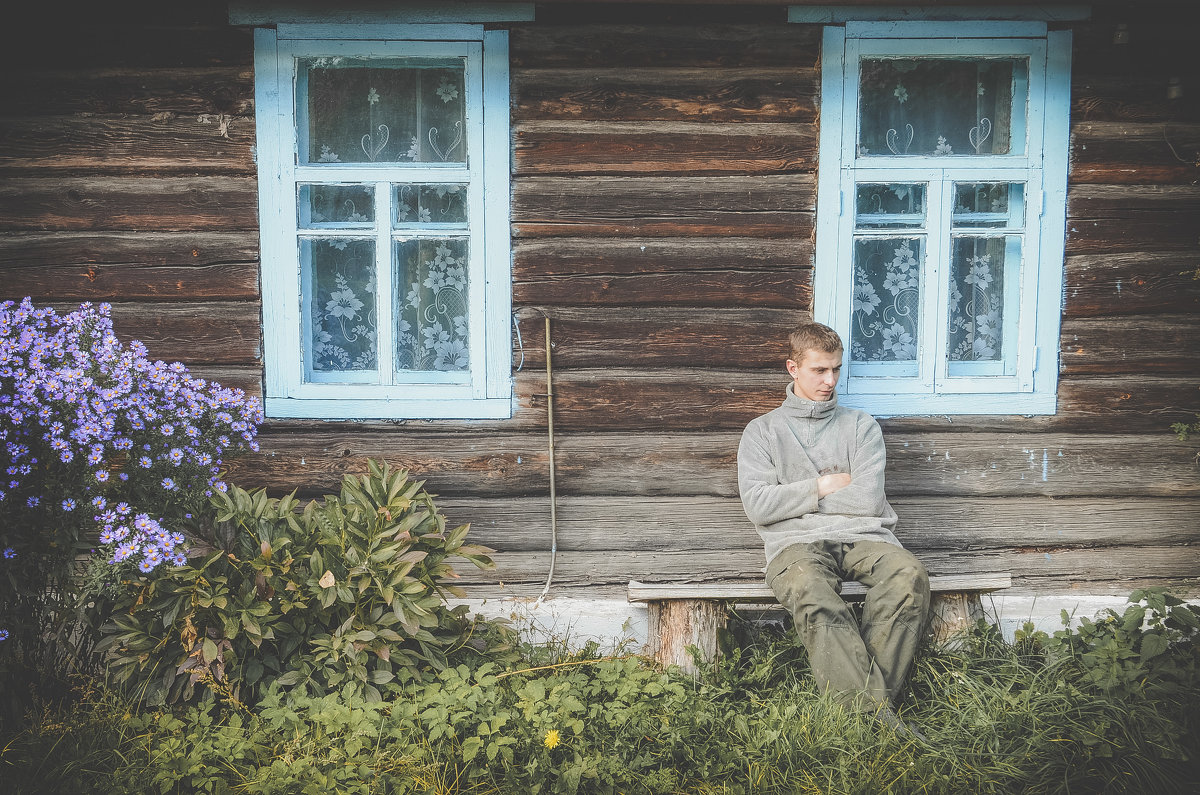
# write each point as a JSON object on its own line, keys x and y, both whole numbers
{"x": 1106, "y": 285}
{"x": 771, "y": 206}
{"x": 640, "y": 45}
{"x": 217, "y": 332}
{"x": 221, "y": 281}
{"x": 141, "y": 203}
{"x": 657, "y": 337}
{"x": 724, "y": 399}
{"x": 120, "y": 36}
{"x": 766, "y": 289}
{"x": 1156, "y": 41}
{"x": 654, "y": 93}
{"x": 1131, "y": 153}
{"x": 1134, "y": 344}
{"x": 1110, "y": 570}
{"x": 165, "y": 144}
{"x": 670, "y": 400}
{"x": 56, "y": 249}
{"x": 625, "y": 523}
{"x": 243, "y": 377}
{"x": 218, "y": 90}
{"x": 662, "y": 147}
{"x": 705, "y": 464}
{"x": 1086, "y": 202}
{"x": 587, "y": 256}
{"x": 1136, "y": 95}
{"x": 1138, "y": 232}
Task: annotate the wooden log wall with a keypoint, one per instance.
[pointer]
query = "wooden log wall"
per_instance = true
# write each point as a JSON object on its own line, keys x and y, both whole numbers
{"x": 664, "y": 172}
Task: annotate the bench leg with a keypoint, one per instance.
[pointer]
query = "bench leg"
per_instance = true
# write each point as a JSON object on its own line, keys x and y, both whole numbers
{"x": 675, "y": 624}
{"x": 952, "y": 614}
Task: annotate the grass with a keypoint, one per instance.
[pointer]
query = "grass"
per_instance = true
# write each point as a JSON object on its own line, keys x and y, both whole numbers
{"x": 1000, "y": 717}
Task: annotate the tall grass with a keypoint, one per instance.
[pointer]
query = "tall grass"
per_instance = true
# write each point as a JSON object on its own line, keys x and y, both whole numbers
{"x": 1000, "y": 717}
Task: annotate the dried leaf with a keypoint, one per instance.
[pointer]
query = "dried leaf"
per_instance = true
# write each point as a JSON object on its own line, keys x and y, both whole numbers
{"x": 327, "y": 580}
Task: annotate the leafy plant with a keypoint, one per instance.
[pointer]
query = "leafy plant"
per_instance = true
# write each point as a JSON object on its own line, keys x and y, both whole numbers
{"x": 343, "y": 595}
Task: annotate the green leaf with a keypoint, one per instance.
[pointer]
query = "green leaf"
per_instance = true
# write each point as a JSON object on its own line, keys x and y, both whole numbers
{"x": 1153, "y": 644}
{"x": 470, "y": 748}
{"x": 208, "y": 651}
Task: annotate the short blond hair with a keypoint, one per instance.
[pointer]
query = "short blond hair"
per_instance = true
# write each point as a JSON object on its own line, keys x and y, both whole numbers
{"x": 813, "y": 337}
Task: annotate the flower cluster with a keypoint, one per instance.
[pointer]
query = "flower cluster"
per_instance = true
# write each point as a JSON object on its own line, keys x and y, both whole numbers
{"x": 97, "y": 436}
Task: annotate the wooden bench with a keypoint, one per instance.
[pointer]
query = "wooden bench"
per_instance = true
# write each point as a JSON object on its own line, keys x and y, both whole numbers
{"x": 691, "y": 614}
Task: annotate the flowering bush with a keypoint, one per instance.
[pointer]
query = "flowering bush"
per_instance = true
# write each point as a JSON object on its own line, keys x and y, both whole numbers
{"x": 103, "y": 448}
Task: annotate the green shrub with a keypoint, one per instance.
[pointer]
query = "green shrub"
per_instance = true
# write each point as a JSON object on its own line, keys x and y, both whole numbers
{"x": 1001, "y": 717}
{"x": 344, "y": 595}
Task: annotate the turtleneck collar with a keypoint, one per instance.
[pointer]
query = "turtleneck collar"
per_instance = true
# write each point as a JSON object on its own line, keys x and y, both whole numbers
{"x": 802, "y": 407}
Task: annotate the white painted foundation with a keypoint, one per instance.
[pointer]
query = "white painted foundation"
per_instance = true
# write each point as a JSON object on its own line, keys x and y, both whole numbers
{"x": 615, "y": 623}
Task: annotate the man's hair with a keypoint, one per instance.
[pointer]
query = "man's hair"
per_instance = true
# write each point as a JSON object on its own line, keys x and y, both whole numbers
{"x": 813, "y": 337}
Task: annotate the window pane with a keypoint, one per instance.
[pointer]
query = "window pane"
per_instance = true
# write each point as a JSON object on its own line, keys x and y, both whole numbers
{"x": 984, "y": 278}
{"x": 989, "y": 204}
{"x": 363, "y": 110}
{"x": 431, "y": 304}
{"x": 895, "y": 205}
{"x": 942, "y": 106}
{"x": 431, "y": 204}
{"x": 339, "y": 303}
{"x": 329, "y": 206}
{"x": 887, "y": 277}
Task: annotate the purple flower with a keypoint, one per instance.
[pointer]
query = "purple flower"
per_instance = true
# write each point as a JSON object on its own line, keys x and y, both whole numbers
{"x": 32, "y": 502}
{"x": 168, "y": 484}
{"x": 9, "y": 553}
{"x": 98, "y": 503}
{"x": 3, "y": 634}
{"x": 68, "y": 504}
{"x": 102, "y": 475}
{"x": 167, "y": 429}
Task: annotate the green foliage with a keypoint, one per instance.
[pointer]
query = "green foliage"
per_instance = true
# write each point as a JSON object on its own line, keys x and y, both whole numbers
{"x": 344, "y": 595}
{"x": 1038, "y": 715}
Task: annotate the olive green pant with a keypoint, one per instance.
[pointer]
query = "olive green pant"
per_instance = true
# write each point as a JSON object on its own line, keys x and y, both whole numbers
{"x": 862, "y": 667}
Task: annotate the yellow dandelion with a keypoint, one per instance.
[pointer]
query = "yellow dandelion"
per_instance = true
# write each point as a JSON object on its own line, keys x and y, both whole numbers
{"x": 551, "y": 740}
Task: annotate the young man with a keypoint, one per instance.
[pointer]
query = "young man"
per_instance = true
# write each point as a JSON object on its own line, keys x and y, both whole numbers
{"x": 810, "y": 475}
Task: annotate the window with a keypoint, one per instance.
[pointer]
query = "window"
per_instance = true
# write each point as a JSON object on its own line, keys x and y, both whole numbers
{"x": 941, "y": 213}
{"x": 385, "y": 273}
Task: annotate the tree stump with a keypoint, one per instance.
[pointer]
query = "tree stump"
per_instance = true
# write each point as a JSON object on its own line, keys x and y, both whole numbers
{"x": 676, "y": 624}
{"x": 951, "y": 614}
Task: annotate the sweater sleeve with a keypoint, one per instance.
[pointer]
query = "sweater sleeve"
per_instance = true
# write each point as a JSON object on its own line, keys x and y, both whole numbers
{"x": 764, "y": 498}
{"x": 865, "y": 495}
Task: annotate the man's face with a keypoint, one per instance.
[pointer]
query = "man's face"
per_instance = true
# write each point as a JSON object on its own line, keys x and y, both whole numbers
{"x": 816, "y": 375}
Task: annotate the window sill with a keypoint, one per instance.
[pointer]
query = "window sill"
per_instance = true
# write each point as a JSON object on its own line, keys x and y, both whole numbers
{"x": 383, "y": 409}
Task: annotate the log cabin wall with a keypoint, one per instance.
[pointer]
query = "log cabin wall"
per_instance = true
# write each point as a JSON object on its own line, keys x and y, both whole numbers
{"x": 664, "y": 171}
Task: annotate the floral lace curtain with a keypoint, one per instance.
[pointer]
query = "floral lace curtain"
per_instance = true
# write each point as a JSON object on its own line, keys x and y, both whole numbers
{"x": 886, "y": 304}
{"x": 341, "y": 306}
{"x": 977, "y": 267}
{"x": 940, "y": 106}
{"x": 364, "y": 110}
{"x": 431, "y": 304}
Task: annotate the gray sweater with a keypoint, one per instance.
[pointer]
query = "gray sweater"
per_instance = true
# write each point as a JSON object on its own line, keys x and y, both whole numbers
{"x": 782, "y": 454}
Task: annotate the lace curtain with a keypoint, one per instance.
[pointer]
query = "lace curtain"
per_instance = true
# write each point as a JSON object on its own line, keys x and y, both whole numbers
{"x": 940, "y": 106}
{"x": 364, "y": 110}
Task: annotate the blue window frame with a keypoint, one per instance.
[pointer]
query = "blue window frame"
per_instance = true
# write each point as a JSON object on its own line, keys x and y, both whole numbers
{"x": 941, "y": 213}
{"x": 385, "y": 273}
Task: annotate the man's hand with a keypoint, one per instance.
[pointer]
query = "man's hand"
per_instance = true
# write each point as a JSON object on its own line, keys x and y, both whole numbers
{"x": 828, "y": 484}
